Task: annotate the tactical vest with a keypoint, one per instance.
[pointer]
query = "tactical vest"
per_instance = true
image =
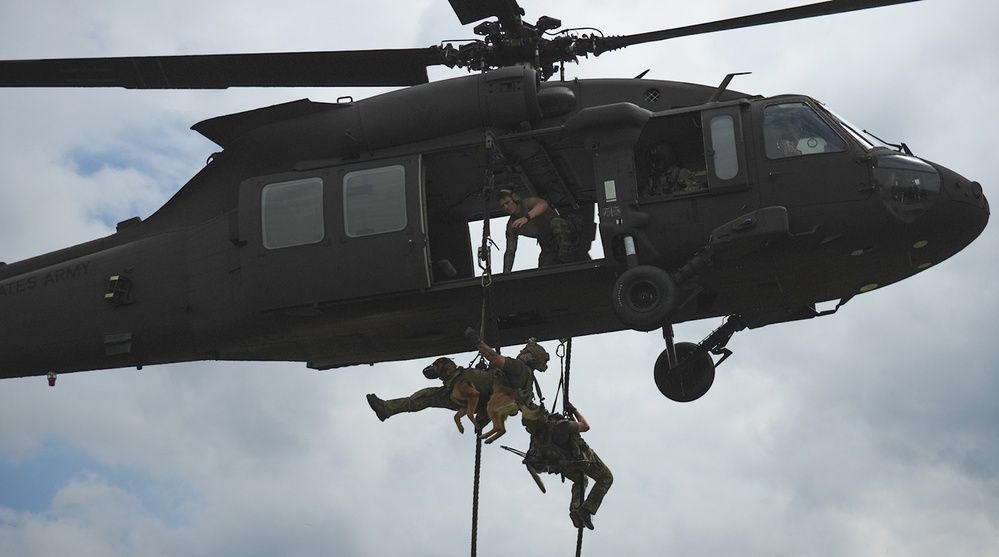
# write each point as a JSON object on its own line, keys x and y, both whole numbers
{"x": 554, "y": 446}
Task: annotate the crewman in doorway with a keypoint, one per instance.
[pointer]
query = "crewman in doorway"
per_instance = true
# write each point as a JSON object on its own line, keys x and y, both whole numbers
{"x": 534, "y": 218}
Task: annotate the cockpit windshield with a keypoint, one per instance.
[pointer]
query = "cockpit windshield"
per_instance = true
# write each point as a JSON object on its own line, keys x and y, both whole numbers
{"x": 794, "y": 129}
{"x": 864, "y": 138}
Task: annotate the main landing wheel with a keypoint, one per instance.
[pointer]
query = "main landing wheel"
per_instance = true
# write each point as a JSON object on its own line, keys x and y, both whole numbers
{"x": 644, "y": 297}
{"x": 690, "y": 379}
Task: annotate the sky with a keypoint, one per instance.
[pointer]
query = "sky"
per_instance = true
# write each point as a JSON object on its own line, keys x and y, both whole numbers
{"x": 869, "y": 432}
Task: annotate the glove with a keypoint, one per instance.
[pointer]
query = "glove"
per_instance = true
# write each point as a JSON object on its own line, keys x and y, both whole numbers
{"x": 471, "y": 336}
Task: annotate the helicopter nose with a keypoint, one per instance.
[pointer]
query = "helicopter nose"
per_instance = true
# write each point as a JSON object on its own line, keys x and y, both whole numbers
{"x": 962, "y": 190}
{"x": 965, "y": 207}
{"x": 971, "y": 205}
{"x": 943, "y": 211}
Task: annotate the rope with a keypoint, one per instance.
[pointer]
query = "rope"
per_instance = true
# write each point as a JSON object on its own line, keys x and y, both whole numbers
{"x": 565, "y": 408}
{"x": 564, "y": 352}
{"x": 487, "y": 328}
{"x": 475, "y": 495}
{"x": 487, "y": 325}
{"x": 565, "y": 393}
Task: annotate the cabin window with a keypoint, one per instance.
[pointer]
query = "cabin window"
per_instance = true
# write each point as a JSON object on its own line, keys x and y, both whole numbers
{"x": 669, "y": 157}
{"x": 794, "y": 129}
{"x": 374, "y": 201}
{"x": 726, "y": 156}
{"x": 292, "y": 213}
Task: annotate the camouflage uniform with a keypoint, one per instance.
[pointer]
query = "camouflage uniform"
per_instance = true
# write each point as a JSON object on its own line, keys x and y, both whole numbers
{"x": 554, "y": 235}
{"x": 668, "y": 176}
{"x": 431, "y": 397}
{"x": 557, "y": 448}
{"x": 520, "y": 377}
{"x": 675, "y": 179}
{"x": 440, "y": 397}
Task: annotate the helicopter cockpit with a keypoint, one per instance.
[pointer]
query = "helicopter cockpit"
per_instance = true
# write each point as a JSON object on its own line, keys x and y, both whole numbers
{"x": 794, "y": 129}
{"x": 908, "y": 185}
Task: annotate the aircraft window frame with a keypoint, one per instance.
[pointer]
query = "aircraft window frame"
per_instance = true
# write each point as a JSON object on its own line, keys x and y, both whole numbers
{"x": 670, "y": 158}
{"x": 374, "y": 201}
{"x": 794, "y": 129}
{"x": 291, "y": 213}
{"x": 724, "y": 147}
{"x": 908, "y": 186}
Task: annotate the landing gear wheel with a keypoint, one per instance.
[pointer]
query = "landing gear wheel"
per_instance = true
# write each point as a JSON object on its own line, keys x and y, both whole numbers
{"x": 690, "y": 379}
{"x": 644, "y": 297}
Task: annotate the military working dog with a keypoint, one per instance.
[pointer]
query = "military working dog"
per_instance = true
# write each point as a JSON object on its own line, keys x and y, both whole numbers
{"x": 469, "y": 386}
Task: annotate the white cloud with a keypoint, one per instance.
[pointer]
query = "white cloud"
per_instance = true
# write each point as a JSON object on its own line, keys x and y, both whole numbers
{"x": 863, "y": 433}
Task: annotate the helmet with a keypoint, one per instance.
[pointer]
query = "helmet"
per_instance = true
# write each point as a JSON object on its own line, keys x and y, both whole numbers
{"x": 536, "y": 356}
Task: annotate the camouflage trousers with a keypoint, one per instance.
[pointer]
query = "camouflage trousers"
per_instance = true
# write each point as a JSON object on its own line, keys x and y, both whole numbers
{"x": 556, "y": 247}
{"x": 431, "y": 397}
{"x": 578, "y": 473}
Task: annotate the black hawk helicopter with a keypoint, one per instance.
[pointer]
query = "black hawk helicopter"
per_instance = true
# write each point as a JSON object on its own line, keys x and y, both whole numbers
{"x": 338, "y": 234}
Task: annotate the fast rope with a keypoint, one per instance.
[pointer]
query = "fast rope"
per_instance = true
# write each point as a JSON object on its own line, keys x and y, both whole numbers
{"x": 487, "y": 330}
{"x": 564, "y": 353}
{"x": 487, "y": 324}
{"x": 475, "y": 494}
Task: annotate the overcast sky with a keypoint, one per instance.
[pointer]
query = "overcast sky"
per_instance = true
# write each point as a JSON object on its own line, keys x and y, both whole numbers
{"x": 870, "y": 432}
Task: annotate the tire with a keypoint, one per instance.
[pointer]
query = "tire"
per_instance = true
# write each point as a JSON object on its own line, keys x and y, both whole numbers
{"x": 644, "y": 298}
{"x": 690, "y": 379}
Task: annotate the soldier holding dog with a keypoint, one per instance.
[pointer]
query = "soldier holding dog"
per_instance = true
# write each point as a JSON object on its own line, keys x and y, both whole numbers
{"x": 555, "y": 447}
{"x": 431, "y": 397}
{"x": 516, "y": 372}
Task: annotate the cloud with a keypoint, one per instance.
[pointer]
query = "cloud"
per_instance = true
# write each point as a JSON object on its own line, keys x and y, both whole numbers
{"x": 868, "y": 432}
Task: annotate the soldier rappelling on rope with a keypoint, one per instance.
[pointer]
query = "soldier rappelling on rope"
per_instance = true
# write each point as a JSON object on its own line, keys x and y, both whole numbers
{"x": 557, "y": 448}
{"x": 518, "y": 372}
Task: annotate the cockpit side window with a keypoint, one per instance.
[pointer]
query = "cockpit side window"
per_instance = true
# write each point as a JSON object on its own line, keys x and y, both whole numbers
{"x": 794, "y": 129}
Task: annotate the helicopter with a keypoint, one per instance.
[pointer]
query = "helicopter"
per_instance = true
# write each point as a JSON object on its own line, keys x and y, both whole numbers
{"x": 337, "y": 234}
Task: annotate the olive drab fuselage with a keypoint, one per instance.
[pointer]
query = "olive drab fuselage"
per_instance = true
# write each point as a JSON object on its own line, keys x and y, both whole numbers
{"x": 338, "y": 233}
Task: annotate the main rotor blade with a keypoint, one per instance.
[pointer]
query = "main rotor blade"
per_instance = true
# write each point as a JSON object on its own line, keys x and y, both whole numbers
{"x": 777, "y": 16}
{"x": 361, "y": 68}
{"x": 470, "y": 11}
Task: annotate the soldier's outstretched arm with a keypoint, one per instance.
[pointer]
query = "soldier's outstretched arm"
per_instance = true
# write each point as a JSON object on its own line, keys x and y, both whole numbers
{"x": 493, "y": 357}
{"x": 580, "y": 420}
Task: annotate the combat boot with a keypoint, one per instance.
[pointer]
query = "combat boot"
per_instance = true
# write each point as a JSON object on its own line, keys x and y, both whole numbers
{"x": 378, "y": 405}
{"x": 584, "y": 517}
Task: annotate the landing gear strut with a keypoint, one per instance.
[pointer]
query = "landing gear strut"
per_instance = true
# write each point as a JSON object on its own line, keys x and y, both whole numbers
{"x": 645, "y": 297}
{"x": 684, "y": 370}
